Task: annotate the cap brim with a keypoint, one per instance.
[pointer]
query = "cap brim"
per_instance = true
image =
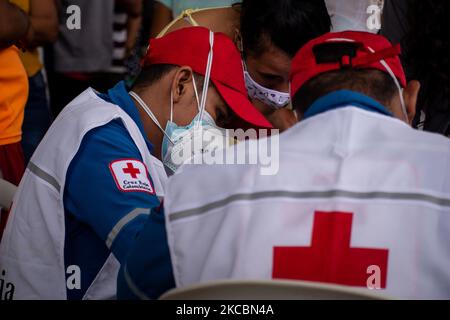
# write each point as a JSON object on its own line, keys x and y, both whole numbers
{"x": 242, "y": 107}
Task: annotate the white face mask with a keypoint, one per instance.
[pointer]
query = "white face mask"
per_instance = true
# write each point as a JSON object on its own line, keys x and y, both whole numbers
{"x": 199, "y": 137}
{"x": 187, "y": 142}
{"x": 273, "y": 98}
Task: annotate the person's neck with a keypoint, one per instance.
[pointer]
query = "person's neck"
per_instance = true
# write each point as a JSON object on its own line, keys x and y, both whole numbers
{"x": 158, "y": 104}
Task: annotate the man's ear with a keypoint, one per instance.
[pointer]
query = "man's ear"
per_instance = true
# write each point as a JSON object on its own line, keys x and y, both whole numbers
{"x": 182, "y": 80}
{"x": 410, "y": 95}
{"x": 238, "y": 40}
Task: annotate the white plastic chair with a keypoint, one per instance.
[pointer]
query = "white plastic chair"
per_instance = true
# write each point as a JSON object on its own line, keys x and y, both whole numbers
{"x": 270, "y": 290}
{"x": 7, "y": 191}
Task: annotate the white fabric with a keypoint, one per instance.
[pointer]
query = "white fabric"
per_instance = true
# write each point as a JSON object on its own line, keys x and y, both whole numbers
{"x": 356, "y": 15}
{"x": 223, "y": 222}
{"x": 7, "y": 191}
{"x": 32, "y": 249}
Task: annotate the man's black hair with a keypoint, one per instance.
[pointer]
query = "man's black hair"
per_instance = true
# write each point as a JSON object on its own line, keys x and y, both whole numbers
{"x": 288, "y": 24}
{"x": 373, "y": 83}
{"x": 151, "y": 74}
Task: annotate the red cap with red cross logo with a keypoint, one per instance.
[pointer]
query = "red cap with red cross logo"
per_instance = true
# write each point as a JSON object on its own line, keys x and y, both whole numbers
{"x": 191, "y": 47}
{"x": 370, "y": 51}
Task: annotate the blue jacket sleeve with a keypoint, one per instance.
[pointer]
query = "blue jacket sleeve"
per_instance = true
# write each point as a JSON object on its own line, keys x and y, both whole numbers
{"x": 107, "y": 193}
{"x": 148, "y": 271}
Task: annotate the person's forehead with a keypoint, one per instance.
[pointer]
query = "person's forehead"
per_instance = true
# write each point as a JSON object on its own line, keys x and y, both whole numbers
{"x": 273, "y": 61}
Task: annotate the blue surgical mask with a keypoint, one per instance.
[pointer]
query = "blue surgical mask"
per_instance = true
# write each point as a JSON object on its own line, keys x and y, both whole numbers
{"x": 186, "y": 142}
{"x": 181, "y": 143}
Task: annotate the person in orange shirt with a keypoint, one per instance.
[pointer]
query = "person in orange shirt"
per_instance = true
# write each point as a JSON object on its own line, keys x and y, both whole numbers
{"x": 43, "y": 29}
{"x": 14, "y": 24}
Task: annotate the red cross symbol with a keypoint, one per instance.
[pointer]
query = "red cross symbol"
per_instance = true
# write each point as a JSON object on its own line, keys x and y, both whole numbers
{"x": 330, "y": 258}
{"x": 132, "y": 171}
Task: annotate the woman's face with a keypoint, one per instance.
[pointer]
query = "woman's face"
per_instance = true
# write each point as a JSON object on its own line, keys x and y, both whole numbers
{"x": 271, "y": 69}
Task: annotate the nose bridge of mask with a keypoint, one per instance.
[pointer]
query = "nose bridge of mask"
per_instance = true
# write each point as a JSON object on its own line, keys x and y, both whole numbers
{"x": 389, "y": 71}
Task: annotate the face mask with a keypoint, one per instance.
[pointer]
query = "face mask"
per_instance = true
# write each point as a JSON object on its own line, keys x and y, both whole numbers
{"x": 181, "y": 143}
{"x": 273, "y": 98}
{"x": 191, "y": 140}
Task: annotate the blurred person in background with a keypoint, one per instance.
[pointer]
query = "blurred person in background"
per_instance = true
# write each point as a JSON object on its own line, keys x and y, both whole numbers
{"x": 355, "y": 15}
{"x": 427, "y": 58}
{"x": 395, "y": 21}
{"x": 267, "y": 33}
{"x": 422, "y": 29}
{"x": 94, "y": 54}
{"x": 14, "y": 27}
{"x": 133, "y": 62}
{"x": 43, "y": 29}
{"x": 167, "y": 10}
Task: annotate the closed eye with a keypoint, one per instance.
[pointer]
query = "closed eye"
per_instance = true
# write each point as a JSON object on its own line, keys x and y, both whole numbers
{"x": 271, "y": 78}
{"x": 223, "y": 117}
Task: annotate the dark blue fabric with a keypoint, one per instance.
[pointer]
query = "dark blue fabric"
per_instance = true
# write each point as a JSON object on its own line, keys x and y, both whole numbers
{"x": 37, "y": 118}
{"x": 119, "y": 96}
{"x": 92, "y": 201}
{"x": 151, "y": 272}
{"x": 345, "y": 98}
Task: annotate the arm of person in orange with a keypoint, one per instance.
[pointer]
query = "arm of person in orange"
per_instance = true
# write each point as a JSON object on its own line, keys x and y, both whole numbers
{"x": 134, "y": 12}
{"x": 44, "y": 23}
{"x": 162, "y": 16}
{"x": 14, "y": 24}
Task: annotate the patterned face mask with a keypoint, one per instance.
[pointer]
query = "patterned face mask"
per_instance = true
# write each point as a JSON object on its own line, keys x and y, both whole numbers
{"x": 273, "y": 98}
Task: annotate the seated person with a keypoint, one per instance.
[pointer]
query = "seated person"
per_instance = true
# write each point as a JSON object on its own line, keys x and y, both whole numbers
{"x": 100, "y": 170}
{"x": 360, "y": 199}
{"x": 268, "y": 33}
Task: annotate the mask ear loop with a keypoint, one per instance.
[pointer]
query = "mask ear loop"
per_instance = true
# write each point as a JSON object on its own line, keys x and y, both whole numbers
{"x": 391, "y": 73}
{"x": 150, "y": 113}
{"x": 171, "y": 106}
{"x": 397, "y": 84}
{"x": 196, "y": 92}
{"x": 244, "y": 64}
{"x": 207, "y": 77}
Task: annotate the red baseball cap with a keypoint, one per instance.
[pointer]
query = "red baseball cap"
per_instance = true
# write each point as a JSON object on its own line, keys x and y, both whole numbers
{"x": 370, "y": 49}
{"x": 190, "y": 47}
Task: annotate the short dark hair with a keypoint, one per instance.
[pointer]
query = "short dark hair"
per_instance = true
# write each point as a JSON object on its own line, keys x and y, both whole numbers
{"x": 288, "y": 24}
{"x": 371, "y": 82}
{"x": 151, "y": 74}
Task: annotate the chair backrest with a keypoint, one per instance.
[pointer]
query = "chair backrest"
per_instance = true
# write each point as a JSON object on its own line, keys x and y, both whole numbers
{"x": 7, "y": 191}
{"x": 270, "y": 290}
